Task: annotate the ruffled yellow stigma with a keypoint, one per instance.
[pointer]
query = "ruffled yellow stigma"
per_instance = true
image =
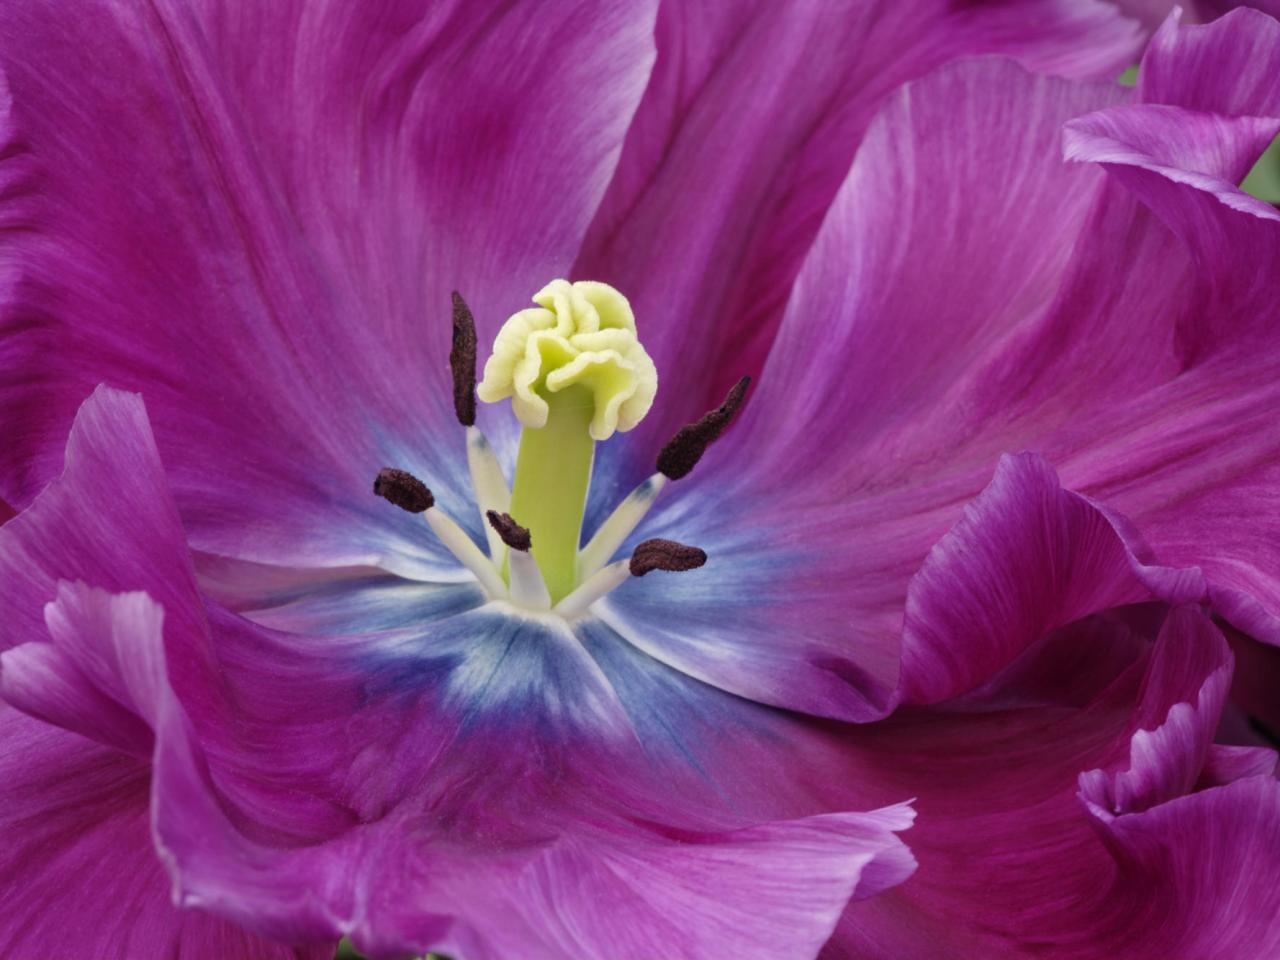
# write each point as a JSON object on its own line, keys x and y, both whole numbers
{"x": 580, "y": 335}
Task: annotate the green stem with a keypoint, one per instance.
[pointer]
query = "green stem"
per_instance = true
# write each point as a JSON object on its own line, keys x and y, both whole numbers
{"x": 550, "y": 489}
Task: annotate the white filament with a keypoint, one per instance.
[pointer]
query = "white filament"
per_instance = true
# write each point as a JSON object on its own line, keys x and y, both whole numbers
{"x": 468, "y": 554}
{"x": 492, "y": 492}
{"x": 593, "y": 588}
{"x": 615, "y": 530}
{"x": 528, "y": 589}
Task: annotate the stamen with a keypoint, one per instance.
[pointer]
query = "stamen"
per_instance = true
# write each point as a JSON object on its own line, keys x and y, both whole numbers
{"x": 665, "y": 555}
{"x": 685, "y": 449}
{"x": 678, "y": 457}
{"x": 601, "y": 584}
{"x": 513, "y": 535}
{"x": 489, "y": 484}
{"x": 460, "y": 544}
{"x": 650, "y": 555}
{"x": 409, "y": 493}
{"x": 625, "y": 518}
{"x": 528, "y": 588}
{"x": 403, "y": 489}
{"x": 462, "y": 361}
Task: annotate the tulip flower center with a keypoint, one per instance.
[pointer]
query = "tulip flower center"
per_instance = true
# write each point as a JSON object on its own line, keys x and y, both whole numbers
{"x": 576, "y": 374}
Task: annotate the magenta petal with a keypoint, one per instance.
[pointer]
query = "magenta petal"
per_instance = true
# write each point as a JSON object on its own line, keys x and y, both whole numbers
{"x": 776, "y": 889}
{"x": 820, "y": 504}
{"x": 1199, "y": 874}
{"x": 211, "y": 864}
{"x": 1013, "y": 865}
{"x": 744, "y": 136}
{"x": 1207, "y": 151}
{"x": 43, "y": 681}
{"x": 1180, "y": 855}
{"x": 1200, "y": 440}
{"x": 1200, "y": 67}
{"x": 286, "y": 309}
{"x": 109, "y": 521}
{"x": 952, "y": 230}
{"x": 1027, "y": 557}
{"x": 1151, "y": 13}
{"x": 396, "y": 786}
{"x": 1225, "y": 764}
{"x": 1177, "y": 713}
{"x": 112, "y": 472}
{"x": 1209, "y": 9}
{"x": 79, "y": 876}
{"x": 1147, "y": 379}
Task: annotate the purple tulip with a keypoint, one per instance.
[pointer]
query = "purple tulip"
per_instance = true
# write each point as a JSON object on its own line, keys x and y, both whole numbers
{"x": 251, "y": 707}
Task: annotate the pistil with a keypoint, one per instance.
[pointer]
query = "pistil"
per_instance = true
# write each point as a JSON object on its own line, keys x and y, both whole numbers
{"x": 575, "y": 373}
{"x": 553, "y": 471}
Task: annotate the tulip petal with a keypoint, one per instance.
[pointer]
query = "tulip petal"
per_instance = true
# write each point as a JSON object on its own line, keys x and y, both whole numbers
{"x": 1177, "y": 712}
{"x": 1176, "y": 889}
{"x": 369, "y": 775}
{"x": 800, "y": 603}
{"x": 1186, "y": 515}
{"x": 286, "y": 308}
{"x": 1124, "y": 372}
{"x": 776, "y": 889}
{"x": 715, "y": 202}
{"x": 112, "y": 470}
{"x": 43, "y": 681}
{"x": 81, "y": 878}
{"x": 1027, "y": 558}
{"x": 1012, "y": 865}
{"x": 414, "y": 786}
{"x": 1225, "y": 67}
{"x": 1198, "y": 875}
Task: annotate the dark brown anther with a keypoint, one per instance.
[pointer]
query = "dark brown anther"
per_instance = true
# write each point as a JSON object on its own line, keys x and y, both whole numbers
{"x": 685, "y": 449}
{"x": 665, "y": 555}
{"x": 513, "y": 535}
{"x": 462, "y": 361}
{"x": 403, "y": 489}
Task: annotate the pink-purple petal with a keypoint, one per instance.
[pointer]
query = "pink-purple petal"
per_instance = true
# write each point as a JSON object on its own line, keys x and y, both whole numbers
{"x": 111, "y": 471}
{"x": 1026, "y": 558}
{"x": 1177, "y": 713}
{"x": 418, "y": 785}
{"x": 1223, "y": 67}
{"x": 264, "y": 236}
{"x": 829, "y": 546}
{"x": 1183, "y": 820}
{"x": 1014, "y": 865}
{"x": 1146, "y": 379}
{"x": 80, "y": 874}
{"x": 1198, "y": 875}
{"x": 775, "y": 889}
{"x": 742, "y": 141}
{"x": 44, "y": 681}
